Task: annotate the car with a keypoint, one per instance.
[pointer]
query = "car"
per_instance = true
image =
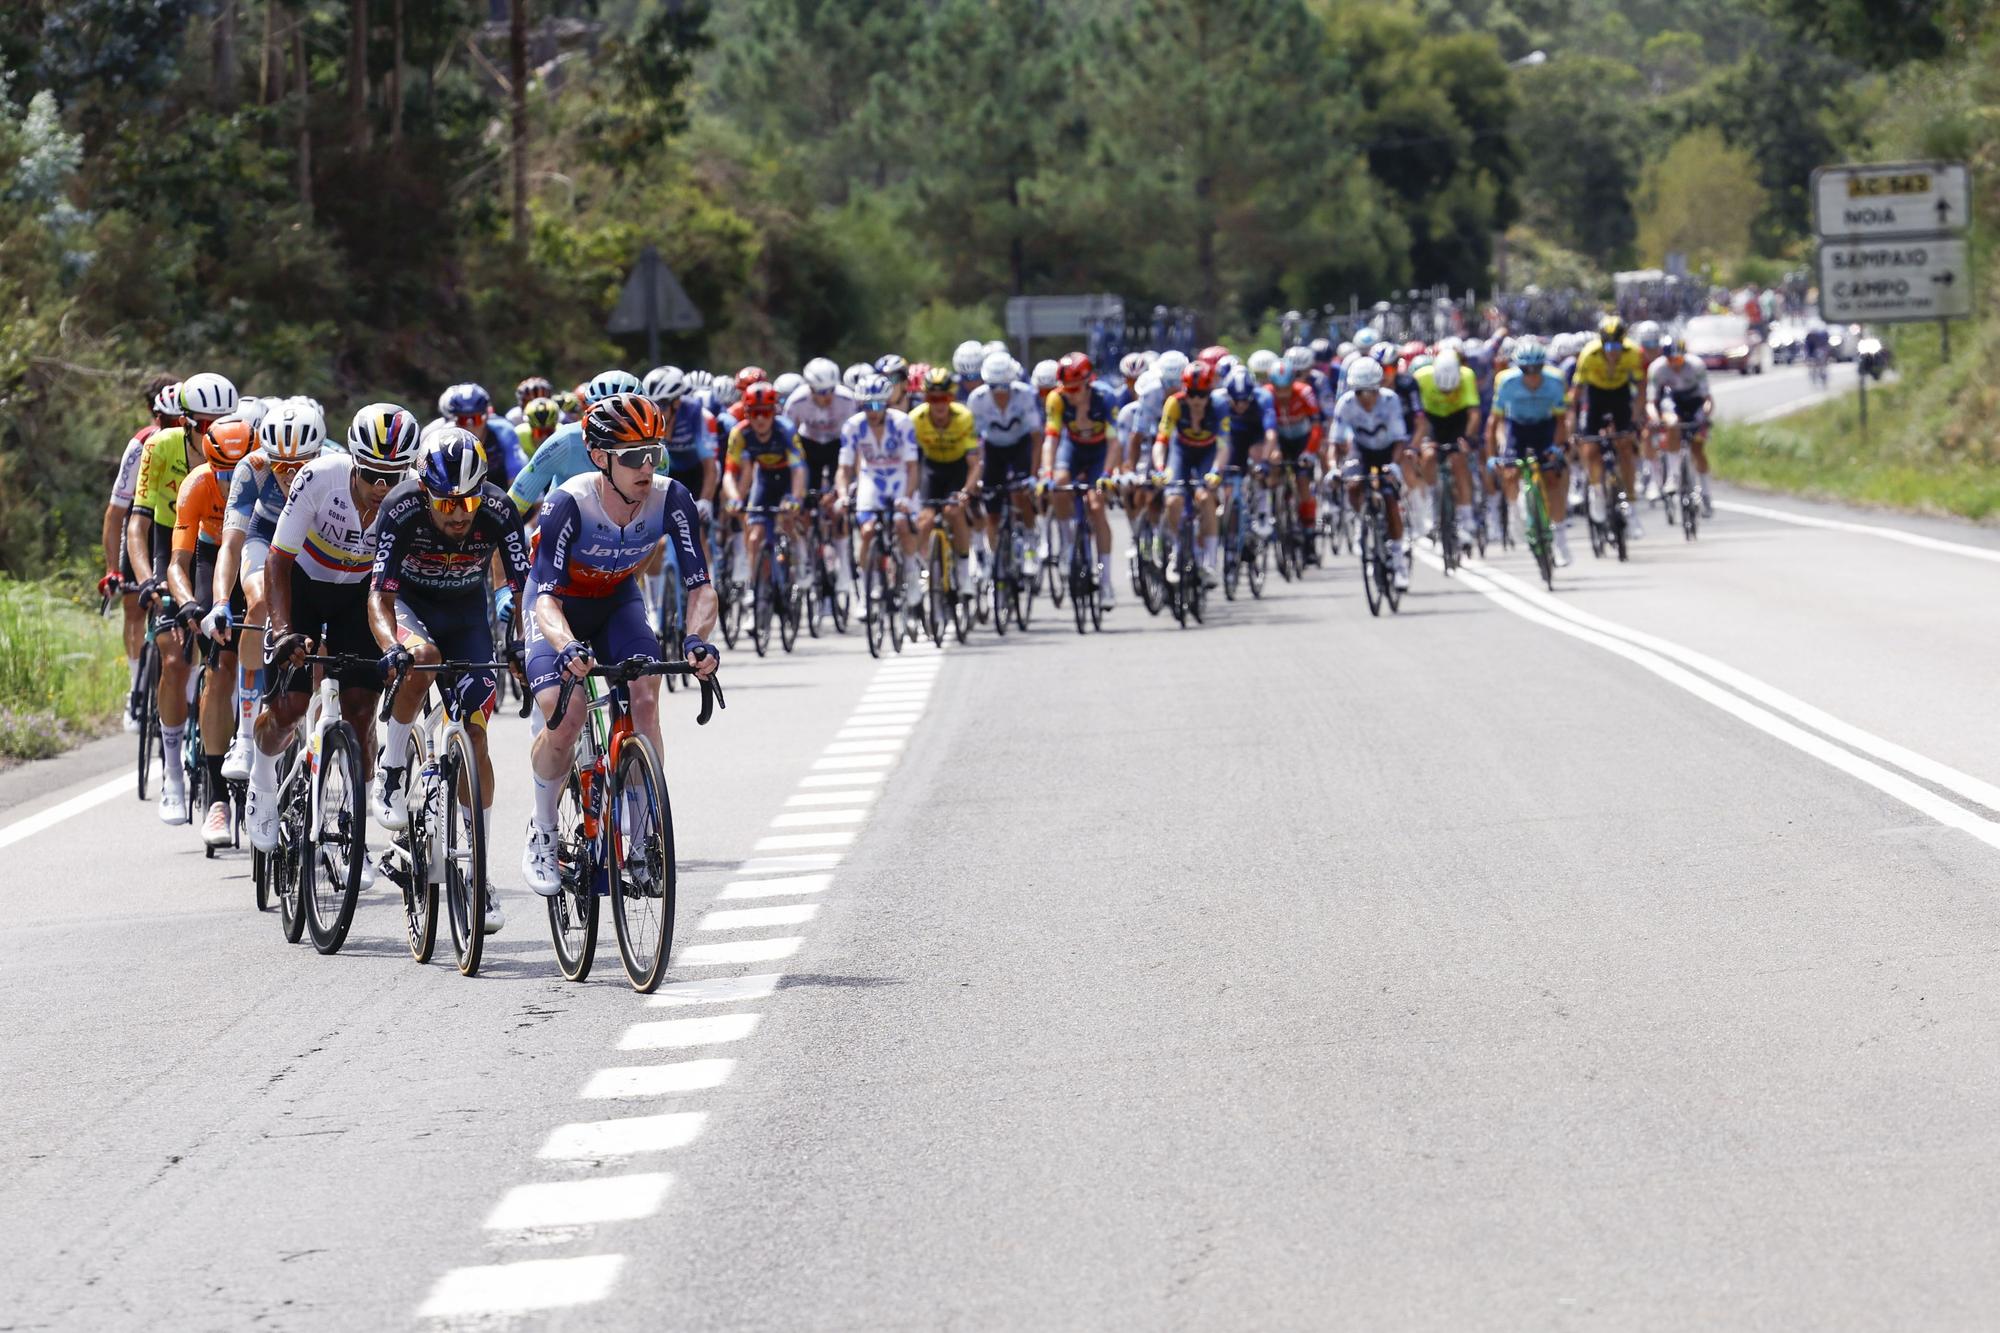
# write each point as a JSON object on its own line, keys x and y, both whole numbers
{"x": 1726, "y": 342}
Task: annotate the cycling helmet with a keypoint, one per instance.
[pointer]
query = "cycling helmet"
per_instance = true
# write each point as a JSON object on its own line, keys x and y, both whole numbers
{"x": 1364, "y": 338}
{"x": 998, "y": 370}
{"x": 382, "y": 436}
{"x": 1342, "y": 352}
{"x": 787, "y": 384}
{"x": 750, "y": 375}
{"x": 891, "y": 366}
{"x": 541, "y": 415}
{"x": 1384, "y": 353}
{"x": 570, "y": 404}
{"x": 252, "y": 410}
{"x": 208, "y": 395}
{"x": 1298, "y": 360}
{"x": 1211, "y": 354}
{"x": 821, "y": 374}
{"x": 623, "y": 420}
{"x": 1418, "y": 363}
{"x": 1262, "y": 362}
{"x": 1321, "y": 351}
{"x": 761, "y": 401}
{"x": 1365, "y": 374}
{"x": 1240, "y": 385}
{"x": 723, "y": 392}
{"x": 611, "y": 382}
{"x": 1648, "y": 334}
{"x": 965, "y": 361}
{"x": 1200, "y": 379}
{"x": 991, "y": 346}
{"x": 1530, "y": 354}
{"x": 531, "y": 388}
{"x": 1045, "y": 375}
{"x": 226, "y": 441}
{"x": 1152, "y": 394}
{"x": 1172, "y": 367}
{"x": 874, "y": 391}
{"x": 1611, "y": 329}
{"x": 464, "y": 400}
{"x": 291, "y": 434}
{"x": 1073, "y": 371}
{"x": 665, "y": 385}
{"x": 451, "y": 462}
{"x": 1445, "y": 370}
{"x": 167, "y": 402}
{"x": 914, "y": 377}
{"x": 1225, "y": 367}
{"x": 1132, "y": 365}
{"x": 855, "y": 374}
{"x": 1670, "y": 346}
{"x": 940, "y": 383}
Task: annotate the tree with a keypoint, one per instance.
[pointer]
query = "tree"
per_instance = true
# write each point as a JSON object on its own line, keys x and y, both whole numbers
{"x": 1672, "y": 60}
{"x": 1881, "y": 33}
{"x": 1579, "y": 126}
{"x": 1701, "y": 199}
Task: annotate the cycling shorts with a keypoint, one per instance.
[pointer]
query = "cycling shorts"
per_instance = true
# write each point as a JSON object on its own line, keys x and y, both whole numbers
{"x": 1363, "y": 458}
{"x": 256, "y": 550}
{"x": 1450, "y": 428}
{"x": 875, "y": 489}
{"x": 342, "y": 610}
{"x": 1083, "y": 462}
{"x": 822, "y": 463}
{"x": 941, "y": 481}
{"x": 1007, "y": 462}
{"x": 1536, "y": 437}
{"x": 770, "y": 488}
{"x": 1601, "y": 403}
{"x": 1185, "y": 463}
{"x": 615, "y": 627}
{"x": 457, "y": 628}
{"x": 1294, "y": 447}
{"x": 204, "y": 592}
{"x": 1687, "y": 407}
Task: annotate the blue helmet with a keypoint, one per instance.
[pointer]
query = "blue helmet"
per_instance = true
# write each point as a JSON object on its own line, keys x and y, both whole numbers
{"x": 452, "y": 462}
{"x": 464, "y": 400}
{"x": 1530, "y": 352}
{"x": 1364, "y": 338}
{"x": 1240, "y": 384}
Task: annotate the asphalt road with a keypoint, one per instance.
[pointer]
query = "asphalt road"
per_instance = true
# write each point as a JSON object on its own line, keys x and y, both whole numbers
{"x": 1621, "y": 959}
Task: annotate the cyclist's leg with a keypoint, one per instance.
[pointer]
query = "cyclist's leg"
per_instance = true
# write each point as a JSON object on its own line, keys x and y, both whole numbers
{"x": 625, "y": 634}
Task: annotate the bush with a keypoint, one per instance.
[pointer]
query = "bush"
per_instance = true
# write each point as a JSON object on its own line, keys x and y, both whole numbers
{"x": 62, "y": 671}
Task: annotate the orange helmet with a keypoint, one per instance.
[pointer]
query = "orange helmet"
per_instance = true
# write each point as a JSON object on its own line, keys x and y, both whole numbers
{"x": 623, "y": 419}
{"x": 226, "y": 442}
{"x": 748, "y": 376}
{"x": 1200, "y": 377}
{"x": 1211, "y": 356}
{"x": 760, "y": 400}
{"x": 1073, "y": 371}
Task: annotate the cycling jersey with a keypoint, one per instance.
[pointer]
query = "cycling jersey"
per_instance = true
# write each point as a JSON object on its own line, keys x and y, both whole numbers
{"x": 126, "y": 484}
{"x": 1378, "y": 427}
{"x": 1000, "y": 426}
{"x": 1598, "y": 369}
{"x": 321, "y": 524}
{"x": 690, "y": 436}
{"x": 1690, "y": 381}
{"x": 562, "y": 456}
{"x": 820, "y": 422}
{"x": 1436, "y": 402}
{"x": 889, "y": 451}
{"x": 501, "y": 444}
{"x": 162, "y": 468}
{"x": 1086, "y": 424}
{"x": 581, "y": 552}
{"x": 204, "y": 498}
{"x": 413, "y": 555}
{"x": 256, "y": 498}
{"x": 773, "y": 453}
{"x": 1296, "y": 409}
{"x": 947, "y": 443}
{"x": 1249, "y": 419}
{"x": 1132, "y": 421}
{"x": 1518, "y": 403}
{"x": 1189, "y": 429}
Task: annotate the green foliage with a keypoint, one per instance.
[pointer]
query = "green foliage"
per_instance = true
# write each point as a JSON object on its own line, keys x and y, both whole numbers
{"x": 1579, "y": 125}
{"x": 1701, "y": 198}
{"x": 62, "y": 671}
{"x": 1882, "y": 33}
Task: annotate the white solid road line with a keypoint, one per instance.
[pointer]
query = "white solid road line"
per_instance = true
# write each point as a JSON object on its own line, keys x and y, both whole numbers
{"x": 29, "y": 826}
{"x": 1917, "y": 539}
{"x": 759, "y": 918}
{"x": 1884, "y": 780}
{"x": 775, "y": 888}
{"x": 532, "y": 1284}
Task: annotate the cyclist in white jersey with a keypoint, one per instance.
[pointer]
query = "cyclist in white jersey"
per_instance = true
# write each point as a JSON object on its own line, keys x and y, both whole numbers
{"x": 1009, "y": 422}
{"x": 878, "y": 455}
{"x": 1678, "y": 396}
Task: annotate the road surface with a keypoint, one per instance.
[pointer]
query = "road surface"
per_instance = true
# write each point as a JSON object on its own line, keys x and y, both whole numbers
{"x": 1622, "y": 959}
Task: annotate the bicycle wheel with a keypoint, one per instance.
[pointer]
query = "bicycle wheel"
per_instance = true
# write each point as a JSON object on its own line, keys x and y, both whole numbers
{"x": 810, "y": 591}
{"x": 962, "y": 606}
{"x": 420, "y": 898}
{"x": 1002, "y": 591}
{"x": 763, "y": 598}
{"x": 937, "y": 588}
{"x": 573, "y": 906}
{"x": 874, "y": 604}
{"x": 461, "y": 844}
{"x": 1078, "y": 588}
{"x": 1540, "y": 536}
{"x": 1371, "y": 557}
{"x": 287, "y": 864}
{"x": 334, "y": 875}
{"x": 1055, "y": 564}
{"x": 148, "y": 695}
{"x": 642, "y": 863}
{"x": 1232, "y": 552}
{"x": 729, "y": 610}
{"x": 1447, "y": 521}
{"x": 1254, "y": 561}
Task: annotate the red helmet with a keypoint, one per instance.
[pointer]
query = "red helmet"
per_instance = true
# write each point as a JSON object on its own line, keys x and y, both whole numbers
{"x": 1414, "y": 349}
{"x": 1200, "y": 377}
{"x": 914, "y": 379}
{"x": 1211, "y": 355}
{"x": 760, "y": 400}
{"x": 1073, "y": 371}
{"x": 748, "y": 376}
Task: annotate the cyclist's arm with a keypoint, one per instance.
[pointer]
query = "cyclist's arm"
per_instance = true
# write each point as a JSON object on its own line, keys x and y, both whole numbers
{"x": 534, "y": 479}
{"x": 562, "y": 525}
{"x": 513, "y": 554}
{"x": 115, "y": 515}
{"x": 188, "y": 516}
{"x": 228, "y": 563}
{"x": 278, "y": 592}
{"x": 382, "y": 617}
{"x": 180, "y": 575}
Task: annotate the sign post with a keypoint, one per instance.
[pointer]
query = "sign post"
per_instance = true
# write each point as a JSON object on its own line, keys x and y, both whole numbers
{"x": 653, "y": 300}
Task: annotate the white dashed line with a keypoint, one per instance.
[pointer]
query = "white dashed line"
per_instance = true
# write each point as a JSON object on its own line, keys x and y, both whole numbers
{"x": 853, "y": 761}
{"x": 875, "y": 745}
{"x": 785, "y": 842}
{"x": 773, "y": 865}
{"x": 739, "y": 951}
{"x": 773, "y": 888}
{"x": 837, "y": 780}
{"x": 830, "y": 797}
{"x": 808, "y": 818}
{"x": 757, "y": 918}
{"x": 532, "y": 1284}
{"x": 572, "y": 1203}
{"x": 657, "y": 1080}
{"x": 629, "y": 1137}
{"x": 681, "y": 1033}
{"x": 717, "y": 990}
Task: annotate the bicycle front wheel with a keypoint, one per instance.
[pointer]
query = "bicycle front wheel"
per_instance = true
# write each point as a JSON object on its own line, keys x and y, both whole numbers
{"x": 763, "y": 602}
{"x": 874, "y": 604}
{"x": 420, "y": 898}
{"x": 149, "y": 711}
{"x": 333, "y": 875}
{"x": 573, "y": 906}
{"x": 461, "y": 846}
{"x": 642, "y": 863}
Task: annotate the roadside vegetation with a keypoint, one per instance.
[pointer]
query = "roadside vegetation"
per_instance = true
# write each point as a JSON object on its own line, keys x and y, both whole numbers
{"x": 62, "y": 671}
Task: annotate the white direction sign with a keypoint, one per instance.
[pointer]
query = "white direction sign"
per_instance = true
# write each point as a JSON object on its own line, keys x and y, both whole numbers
{"x": 1887, "y": 282}
{"x": 1868, "y": 202}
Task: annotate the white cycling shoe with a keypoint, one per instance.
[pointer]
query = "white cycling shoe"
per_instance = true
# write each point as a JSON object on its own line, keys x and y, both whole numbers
{"x": 388, "y": 803}
{"x": 173, "y": 794}
{"x": 215, "y": 828}
{"x": 495, "y": 918}
{"x": 236, "y": 761}
{"x": 260, "y": 818}
{"x": 538, "y": 862}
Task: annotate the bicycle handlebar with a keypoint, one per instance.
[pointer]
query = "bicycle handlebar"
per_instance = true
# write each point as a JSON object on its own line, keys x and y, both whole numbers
{"x": 631, "y": 669}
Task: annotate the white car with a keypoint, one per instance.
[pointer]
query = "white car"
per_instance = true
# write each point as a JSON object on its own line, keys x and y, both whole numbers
{"x": 1726, "y": 342}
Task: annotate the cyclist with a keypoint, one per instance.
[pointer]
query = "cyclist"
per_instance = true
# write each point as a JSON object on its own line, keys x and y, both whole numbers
{"x": 169, "y": 455}
{"x": 470, "y": 408}
{"x": 768, "y": 446}
{"x": 563, "y": 455}
{"x": 878, "y": 449}
{"x": 1253, "y": 435}
{"x": 1679, "y": 401}
{"x": 1003, "y": 412}
{"x": 1369, "y": 420}
{"x": 540, "y": 419}
{"x": 966, "y": 361}
{"x": 1606, "y": 371}
{"x": 1447, "y": 421}
{"x": 532, "y": 389}
{"x": 690, "y": 439}
{"x": 581, "y": 602}
{"x": 439, "y": 532}
{"x": 166, "y": 411}
{"x": 1076, "y": 445}
{"x": 892, "y": 367}
{"x": 316, "y": 584}
{"x": 819, "y": 409}
{"x": 1300, "y": 419}
{"x": 1528, "y": 399}
{"x": 947, "y": 445}
{"x": 1194, "y": 433}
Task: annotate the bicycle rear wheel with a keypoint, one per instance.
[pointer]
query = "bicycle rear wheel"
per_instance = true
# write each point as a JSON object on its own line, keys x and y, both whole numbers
{"x": 461, "y": 844}
{"x": 1371, "y": 558}
{"x": 937, "y": 589}
{"x": 573, "y": 906}
{"x": 642, "y": 863}
{"x": 420, "y": 897}
{"x": 1540, "y": 537}
{"x": 333, "y": 883}
{"x": 875, "y": 603}
{"x": 148, "y": 696}
{"x": 763, "y": 602}
{"x": 294, "y": 854}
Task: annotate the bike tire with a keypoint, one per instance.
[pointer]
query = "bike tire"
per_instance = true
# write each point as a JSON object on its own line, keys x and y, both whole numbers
{"x": 149, "y": 710}
{"x": 642, "y": 886}
{"x": 1370, "y": 557}
{"x": 573, "y": 907}
{"x": 294, "y": 851}
{"x": 874, "y": 606}
{"x": 763, "y": 598}
{"x": 339, "y": 842}
{"x": 420, "y": 896}
{"x": 1541, "y": 537}
{"x": 463, "y": 847}
{"x": 937, "y": 589}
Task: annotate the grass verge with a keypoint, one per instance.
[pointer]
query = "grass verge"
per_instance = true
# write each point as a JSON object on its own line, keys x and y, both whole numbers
{"x": 62, "y": 671}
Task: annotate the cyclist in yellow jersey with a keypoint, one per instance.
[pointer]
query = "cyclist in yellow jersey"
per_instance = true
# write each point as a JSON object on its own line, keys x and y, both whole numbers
{"x": 764, "y": 469}
{"x": 949, "y": 465}
{"x": 1193, "y": 447}
{"x": 1608, "y": 375}
{"x": 1448, "y": 424}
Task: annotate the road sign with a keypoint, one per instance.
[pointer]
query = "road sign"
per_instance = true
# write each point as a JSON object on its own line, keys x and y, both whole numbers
{"x": 1894, "y": 281}
{"x": 653, "y": 300}
{"x": 1058, "y": 316}
{"x": 1876, "y": 200}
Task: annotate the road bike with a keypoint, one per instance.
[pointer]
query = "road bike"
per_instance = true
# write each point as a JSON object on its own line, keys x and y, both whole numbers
{"x": 1537, "y": 532}
{"x": 1297, "y": 545}
{"x": 1186, "y": 593}
{"x": 1149, "y": 577}
{"x": 194, "y": 760}
{"x": 731, "y": 596}
{"x": 615, "y": 828}
{"x": 944, "y": 603}
{"x": 1683, "y": 495}
{"x": 1085, "y": 596}
{"x": 818, "y": 588}
{"x": 1014, "y": 580}
{"x": 1378, "y": 566}
{"x": 1607, "y": 533}
{"x": 1337, "y": 520}
{"x": 1244, "y": 553}
{"x": 771, "y": 587}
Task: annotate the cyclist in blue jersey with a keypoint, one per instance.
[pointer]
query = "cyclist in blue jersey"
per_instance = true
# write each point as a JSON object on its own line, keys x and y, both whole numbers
{"x": 1530, "y": 399}
{"x": 470, "y": 408}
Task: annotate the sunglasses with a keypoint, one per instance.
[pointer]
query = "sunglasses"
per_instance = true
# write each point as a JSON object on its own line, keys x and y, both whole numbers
{"x": 454, "y": 504}
{"x": 762, "y": 414}
{"x": 877, "y": 405}
{"x": 639, "y": 456}
{"x": 378, "y": 476}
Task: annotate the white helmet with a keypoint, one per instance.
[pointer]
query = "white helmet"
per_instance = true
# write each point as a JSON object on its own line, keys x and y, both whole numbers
{"x": 383, "y": 436}
{"x": 1226, "y": 366}
{"x": 994, "y": 347}
{"x": 1342, "y": 352}
{"x": 821, "y": 374}
{"x": 1172, "y": 367}
{"x": 208, "y": 395}
{"x": 965, "y": 361}
{"x": 1366, "y": 374}
{"x": 253, "y": 410}
{"x": 1445, "y": 369}
{"x": 787, "y": 384}
{"x": 1045, "y": 375}
{"x": 1262, "y": 362}
{"x": 725, "y": 391}
{"x": 664, "y": 384}
{"x": 1299, "y": 358}
{"x": 609, "y": 382}
{"x": 291, "y": 434}
{"x": 1151, "y": 393}
{"x": 311, "y": 405}
{"x": 855, "y": 374}
{"x": 998, "y": 370}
